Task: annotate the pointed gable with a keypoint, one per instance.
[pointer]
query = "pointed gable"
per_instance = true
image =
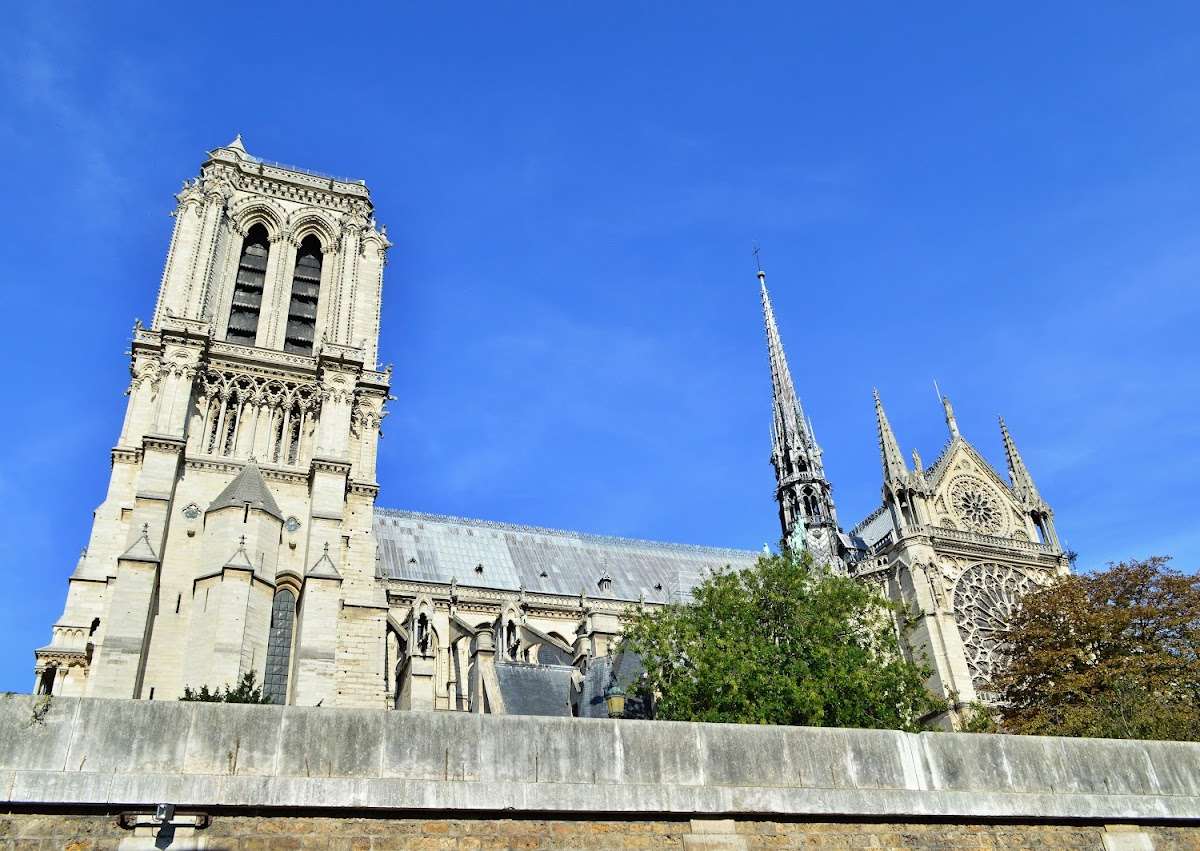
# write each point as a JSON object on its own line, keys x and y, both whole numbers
{"x": 970, "y": 494}
{"x": 249, "y": 488}
{"x": 323, "y": 568}
{"x": 141, "y": 549}
{"x": 240, "y": 560}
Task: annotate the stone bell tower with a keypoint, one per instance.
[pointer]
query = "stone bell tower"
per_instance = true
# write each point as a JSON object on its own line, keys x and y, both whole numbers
{"x": 235, "y": 535}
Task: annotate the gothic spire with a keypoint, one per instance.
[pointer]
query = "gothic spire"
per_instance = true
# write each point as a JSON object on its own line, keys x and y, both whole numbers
{"x": 894, "y": 468}
{"x": 791, "y": 430}
{"x": 807, "y": 516}
{"x": 1018, "y": 473}
{"x": 238, "y": 145}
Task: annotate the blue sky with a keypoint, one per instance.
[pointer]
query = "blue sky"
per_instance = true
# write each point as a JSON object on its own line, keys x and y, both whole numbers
{"x": 1006, "y": 200}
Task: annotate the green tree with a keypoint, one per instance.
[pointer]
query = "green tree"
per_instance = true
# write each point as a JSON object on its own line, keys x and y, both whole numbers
{"x": 247, "y": 691}
{"x": 1113, "y": 654}
{"x": 783, "y": 642}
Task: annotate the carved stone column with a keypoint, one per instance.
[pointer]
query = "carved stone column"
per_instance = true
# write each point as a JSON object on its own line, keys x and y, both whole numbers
{"x": 217, "y": 190}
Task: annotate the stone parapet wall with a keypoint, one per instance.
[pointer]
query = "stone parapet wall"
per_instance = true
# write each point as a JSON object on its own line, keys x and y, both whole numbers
{"x": 454, "y": 780}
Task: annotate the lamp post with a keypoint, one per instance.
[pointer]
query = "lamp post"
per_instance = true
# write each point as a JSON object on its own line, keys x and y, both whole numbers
{"x": 614, "y": 699}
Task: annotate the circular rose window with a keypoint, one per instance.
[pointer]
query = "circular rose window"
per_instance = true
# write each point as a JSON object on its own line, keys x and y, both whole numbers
{"x": 986, "y": 597}
{"x": 976, "y": 505}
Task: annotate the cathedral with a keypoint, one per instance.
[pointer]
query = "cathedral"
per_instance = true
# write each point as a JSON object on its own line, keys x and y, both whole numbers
{"x": 239, "y": 532}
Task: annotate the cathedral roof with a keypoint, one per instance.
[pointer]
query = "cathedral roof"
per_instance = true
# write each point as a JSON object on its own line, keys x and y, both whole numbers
{"x": 535, "y": 689}
{"x": 248, "y": 487}
{"x": 482, "y": 553}
{"x": 873, "y": 527}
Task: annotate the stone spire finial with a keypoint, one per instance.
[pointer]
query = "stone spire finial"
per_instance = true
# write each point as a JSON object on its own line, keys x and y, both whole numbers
{"x": 791, "y": 430}
{"x": 919, "y": 471}
{"x": 951, "y": 422}
{"x": 1018, "y": 473}
{"x": 894, "y": 468}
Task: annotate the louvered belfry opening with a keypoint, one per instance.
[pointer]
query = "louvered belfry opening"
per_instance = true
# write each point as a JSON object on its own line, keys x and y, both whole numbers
{"x": 248, "y": 288}
{"x": 306, "y": 289}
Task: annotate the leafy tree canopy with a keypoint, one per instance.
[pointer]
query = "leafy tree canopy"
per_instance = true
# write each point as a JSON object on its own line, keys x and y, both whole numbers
{"x": 247, "y": 691}
{"x": 783, "y": 642}
{"x": 1114, "y": 654}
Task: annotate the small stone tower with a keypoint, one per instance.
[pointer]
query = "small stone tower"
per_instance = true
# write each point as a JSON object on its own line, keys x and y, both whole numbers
{"x": 236, "y": 533}
{"x": 806, "y": 513}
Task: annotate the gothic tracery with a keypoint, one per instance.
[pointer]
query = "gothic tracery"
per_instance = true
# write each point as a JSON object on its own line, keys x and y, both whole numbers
{"x": 976, "y": 506}
{"x": 986, "y": 597}
{"x": 234, "y": 405}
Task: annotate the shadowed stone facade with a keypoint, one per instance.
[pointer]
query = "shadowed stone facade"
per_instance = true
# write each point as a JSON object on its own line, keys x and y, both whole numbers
{"x": 240, "y": 534}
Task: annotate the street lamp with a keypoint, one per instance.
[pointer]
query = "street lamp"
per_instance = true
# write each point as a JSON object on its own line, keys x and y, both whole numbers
{"x": 614, "y": 698}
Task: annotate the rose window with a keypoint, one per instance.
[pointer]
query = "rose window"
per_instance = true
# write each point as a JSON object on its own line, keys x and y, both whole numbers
{"x": 986, "y": 597}
{"x": 976, "y": 506}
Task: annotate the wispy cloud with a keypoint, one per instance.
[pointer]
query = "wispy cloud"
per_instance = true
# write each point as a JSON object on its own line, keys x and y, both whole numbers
{"x": 92, "y": 110}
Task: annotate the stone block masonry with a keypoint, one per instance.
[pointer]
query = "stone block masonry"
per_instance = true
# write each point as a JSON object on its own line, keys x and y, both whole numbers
{"x": 43, "y": 832}
{"x": 291, "y": 777}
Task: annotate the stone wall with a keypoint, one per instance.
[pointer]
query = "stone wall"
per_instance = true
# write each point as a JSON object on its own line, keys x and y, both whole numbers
{"x": 314, "y": 777}
{"x": 43, "y": 832}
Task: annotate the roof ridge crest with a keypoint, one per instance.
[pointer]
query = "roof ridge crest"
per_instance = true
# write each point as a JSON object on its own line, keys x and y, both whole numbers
{"x": 545, "y": 530}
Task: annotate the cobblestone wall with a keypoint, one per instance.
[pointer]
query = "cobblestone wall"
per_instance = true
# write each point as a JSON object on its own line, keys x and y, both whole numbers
{"x": 43, "y": 832}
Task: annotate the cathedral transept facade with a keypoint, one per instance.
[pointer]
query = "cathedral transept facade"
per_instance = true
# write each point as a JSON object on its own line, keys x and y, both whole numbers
{"x": 239, "y": 532}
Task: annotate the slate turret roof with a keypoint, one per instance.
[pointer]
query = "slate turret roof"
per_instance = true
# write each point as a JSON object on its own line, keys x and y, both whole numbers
{"x": 248, "y": 487}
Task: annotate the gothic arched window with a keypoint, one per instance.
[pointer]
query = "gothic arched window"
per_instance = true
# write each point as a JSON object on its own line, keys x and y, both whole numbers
{"x": 306, "y": 289}
{"x": 812, "y": 508}
{"x": 248, "y": 287}
{"x": 279, "y": 646}
{"x": 46, "y": 683}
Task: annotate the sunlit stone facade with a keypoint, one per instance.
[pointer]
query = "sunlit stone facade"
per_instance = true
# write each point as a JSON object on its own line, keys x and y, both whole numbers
{"x": 240, "y": 534}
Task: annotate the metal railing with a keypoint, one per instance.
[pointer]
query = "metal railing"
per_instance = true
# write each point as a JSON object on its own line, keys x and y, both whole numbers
{"x": 310, "y": 172}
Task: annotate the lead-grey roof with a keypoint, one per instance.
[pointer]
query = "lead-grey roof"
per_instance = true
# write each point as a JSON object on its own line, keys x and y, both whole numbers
{"x": 438, "y": 548}
{"x": 877, "y": 524}
{"x": 535, "y": 689}
{"x": 248, "y": 487}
